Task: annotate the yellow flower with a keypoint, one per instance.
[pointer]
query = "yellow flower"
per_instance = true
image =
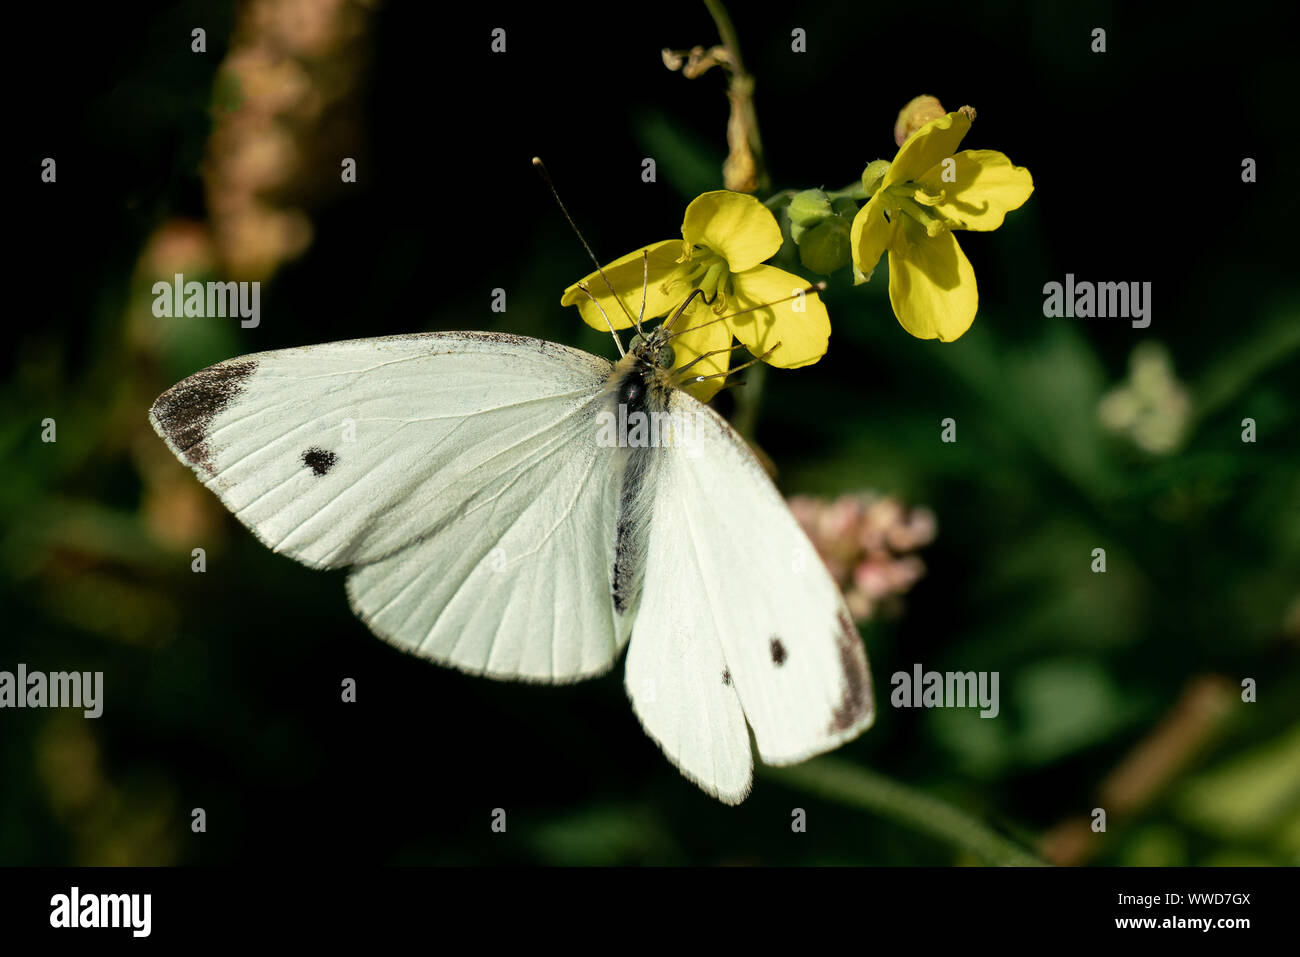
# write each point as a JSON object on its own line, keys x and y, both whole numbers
{"x": 930, "y": 190}
{"x": 726, "y": 236}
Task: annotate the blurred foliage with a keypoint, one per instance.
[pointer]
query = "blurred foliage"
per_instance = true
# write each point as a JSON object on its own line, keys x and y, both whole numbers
{"x": 222, "y": 689}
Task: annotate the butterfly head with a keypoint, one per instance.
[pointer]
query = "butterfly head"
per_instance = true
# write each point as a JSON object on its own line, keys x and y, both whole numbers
{"x": 653, "y": 349}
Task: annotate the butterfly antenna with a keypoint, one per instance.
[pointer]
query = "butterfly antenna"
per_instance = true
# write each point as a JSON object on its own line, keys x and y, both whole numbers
{"x": 743, "y": 365}
{"x": 546, "y": 178}
{"x": 645, "y": 286}
{"x": 617, "y": 341}
{"x": 815, "y": 287}
{"x": 734, "y": 384}
{"x": 705, "y": 355}
{"x": 682, "y": 308}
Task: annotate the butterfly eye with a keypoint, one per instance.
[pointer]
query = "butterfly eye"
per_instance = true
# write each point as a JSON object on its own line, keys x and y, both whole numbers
{"x": 667, "y": 357}
{"x": 636, "y": 343}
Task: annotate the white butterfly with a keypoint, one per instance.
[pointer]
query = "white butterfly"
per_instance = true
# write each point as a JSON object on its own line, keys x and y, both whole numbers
{"x": 466, "y": 480}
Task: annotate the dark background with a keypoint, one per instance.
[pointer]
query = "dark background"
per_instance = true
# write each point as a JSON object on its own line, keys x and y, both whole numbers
{"x": 222, "y": 689}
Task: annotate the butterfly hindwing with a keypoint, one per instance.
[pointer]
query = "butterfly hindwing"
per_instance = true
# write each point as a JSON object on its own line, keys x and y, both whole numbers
{"x": 678, "y": 680}
{"x": 732, "y": 577}
{"x": 517, "y": 583}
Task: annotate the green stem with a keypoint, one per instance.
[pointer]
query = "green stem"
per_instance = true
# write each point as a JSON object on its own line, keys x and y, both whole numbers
{"x": 726, "y": 32}
{"x": 857, "y": 787}
{"x": 786, "y": 194}
{"x": 855, "y": 191}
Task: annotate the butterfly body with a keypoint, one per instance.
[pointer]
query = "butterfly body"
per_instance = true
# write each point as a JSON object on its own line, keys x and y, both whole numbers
{"x": 642, "y": 387}
{"x": 469, "y": 485}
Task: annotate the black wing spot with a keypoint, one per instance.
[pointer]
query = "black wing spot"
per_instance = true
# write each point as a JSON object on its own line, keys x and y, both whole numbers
{"x": 319, "y": 460}
{"x": 726, "y": 677}
{"x": 184, "y": 413}
{"x": 778, "y": 652}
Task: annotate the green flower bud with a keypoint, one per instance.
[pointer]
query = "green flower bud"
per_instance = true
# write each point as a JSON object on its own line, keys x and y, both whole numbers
{"x": 809, "y": 207}
{"x": 825, "y": 247}
{"x": 874, "y": 175}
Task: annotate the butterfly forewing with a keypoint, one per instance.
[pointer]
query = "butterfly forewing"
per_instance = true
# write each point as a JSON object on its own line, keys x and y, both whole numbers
{"x": 456, "y": 473}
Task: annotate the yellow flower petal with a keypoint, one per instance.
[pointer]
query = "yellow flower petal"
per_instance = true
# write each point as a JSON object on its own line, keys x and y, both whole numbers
{"x": 928, "y": 145}
{"x": 984, "y": 189}
{"x": 699, "y": 334}
{"x": 931, "y": 282}
{"x": 626, "y": 275}
{"x": 869, "y": 237}
{"x": 735, "y": 225}
{"x": 803, "y": 335}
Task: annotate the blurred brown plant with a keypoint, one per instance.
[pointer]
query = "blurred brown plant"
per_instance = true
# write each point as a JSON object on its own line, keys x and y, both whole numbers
{"x": 284, "y": 99}
{"x": 129, "y": 822}
{"x": 285, "y": 113}
{"x": 1156, "y": 760}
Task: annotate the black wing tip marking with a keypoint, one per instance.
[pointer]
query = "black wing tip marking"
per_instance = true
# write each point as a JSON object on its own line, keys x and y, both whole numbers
{"x": 319, "y": 460}
{"x": 855, "y": 701}
{"x": 726, "y": 677}
{"x": 183, "y": 414}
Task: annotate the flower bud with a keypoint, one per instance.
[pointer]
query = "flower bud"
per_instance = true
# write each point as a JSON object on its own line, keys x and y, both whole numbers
{"x": 825, "y": 247}
{"x": 874, "y": 175}
{"x": 916, "y": 114}
{"x": 809, "y": 207}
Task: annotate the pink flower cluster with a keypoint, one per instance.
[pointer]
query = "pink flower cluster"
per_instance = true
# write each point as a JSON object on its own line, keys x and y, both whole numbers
{"x": 866, "y": 540}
